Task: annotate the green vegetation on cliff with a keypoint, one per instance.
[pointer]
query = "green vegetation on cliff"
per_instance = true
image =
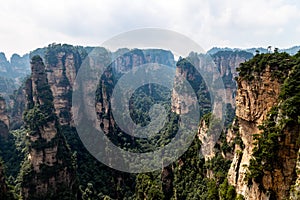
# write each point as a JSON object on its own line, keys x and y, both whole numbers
{"x": 55, "y": 170}
{"x": 53, "y": 51}
{"x": 280, "y": 64}
{"x": 282, "y": 121}
{"x": 190, "y": 177}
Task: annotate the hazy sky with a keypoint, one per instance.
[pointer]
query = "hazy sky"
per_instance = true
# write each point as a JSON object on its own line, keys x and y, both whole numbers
{"x": 26, "y": 25}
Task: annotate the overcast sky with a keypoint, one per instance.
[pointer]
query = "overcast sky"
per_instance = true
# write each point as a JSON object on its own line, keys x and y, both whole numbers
{"x": 27, "y": 25}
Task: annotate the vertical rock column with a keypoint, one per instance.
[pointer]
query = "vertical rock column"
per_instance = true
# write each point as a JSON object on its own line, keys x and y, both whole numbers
{"x": 48, "y": 171}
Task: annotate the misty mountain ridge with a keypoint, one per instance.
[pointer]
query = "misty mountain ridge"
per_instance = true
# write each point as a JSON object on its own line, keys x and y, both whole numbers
{"x": 292, "y": 50}
{"x": 17, "y": 67}
{"x": 14, "y": 70}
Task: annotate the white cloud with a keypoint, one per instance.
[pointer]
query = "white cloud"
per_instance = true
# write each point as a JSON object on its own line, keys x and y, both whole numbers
{"x": 31, "y": 24}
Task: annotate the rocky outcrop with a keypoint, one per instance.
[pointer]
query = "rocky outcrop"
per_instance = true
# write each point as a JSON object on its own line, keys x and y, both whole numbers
{"x": 227, "y": 62}
{"x": 257, "y": 94}
{"x": 207, "y": 140}
{"x": 62, "y": 64}
{"x": 48, "y": 170}
{"x": 220, "y": 67}
{"x": 160, "y": 56}
{"x": 215, "y": 73}
{"x": 253, "y": 101}
{"x": 128, "y": 60}
{"x": 185, "y": 70}
{"x": 125, "y": 60}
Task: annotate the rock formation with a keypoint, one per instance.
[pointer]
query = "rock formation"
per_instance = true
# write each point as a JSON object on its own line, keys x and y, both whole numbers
{"x": 227, "y": 62}
{"x": 48, "y": 171}
{"x": 221, "y": 65}
{"x": 253, "y": 101}
{"x": 263, "y": 165}
{"x": 266, "y": 167}
{"x": 62, "y": 64}
{"x": 185, "y": 70}
{"x": 125, "y": 61}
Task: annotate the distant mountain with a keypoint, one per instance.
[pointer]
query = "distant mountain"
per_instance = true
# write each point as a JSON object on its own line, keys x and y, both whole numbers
{"x": 17, "y": 67}
{"x": 217, "y": 49}
{"x": 14, "y": 71}
{"x": 292, "y": 51}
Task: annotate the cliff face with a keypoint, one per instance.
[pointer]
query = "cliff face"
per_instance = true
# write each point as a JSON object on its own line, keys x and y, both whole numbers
{"x": 220, "y": 67}
{"x": 253, "y": 101}
{"x": 263, "y": 168}
{"x": 48, "y": 170}
{"x": 266, "y": 167}
{"x": 125, "y": 61}
{"x": 208, "y": 140}
{"x": 227, "y": 62}
{"x": 62, "y": 64}
{"x": 159, "y": 56}
{"x": 185, "y": 70}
